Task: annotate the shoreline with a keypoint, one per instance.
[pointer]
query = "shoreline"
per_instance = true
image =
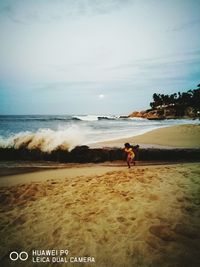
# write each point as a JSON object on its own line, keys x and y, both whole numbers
{"x": 167, "y": 149}
{"x": 177, "y": 136}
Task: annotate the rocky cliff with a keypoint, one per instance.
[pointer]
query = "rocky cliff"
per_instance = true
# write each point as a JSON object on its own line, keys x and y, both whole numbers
{"x": 166, "y": 112}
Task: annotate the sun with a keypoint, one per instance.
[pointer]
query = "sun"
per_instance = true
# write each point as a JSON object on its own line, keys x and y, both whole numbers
{"x": 101, "y": 96}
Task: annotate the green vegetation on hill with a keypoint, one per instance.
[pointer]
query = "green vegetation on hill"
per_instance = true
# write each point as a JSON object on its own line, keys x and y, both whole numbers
{"x": 179, "y": 101}
{"x": 174, "y": 106}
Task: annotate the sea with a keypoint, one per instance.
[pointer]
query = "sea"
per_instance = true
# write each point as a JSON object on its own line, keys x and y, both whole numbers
{"x": 48, "y": 132}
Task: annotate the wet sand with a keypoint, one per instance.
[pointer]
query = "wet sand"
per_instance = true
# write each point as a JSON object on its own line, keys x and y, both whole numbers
{"x": 145, "y": 216}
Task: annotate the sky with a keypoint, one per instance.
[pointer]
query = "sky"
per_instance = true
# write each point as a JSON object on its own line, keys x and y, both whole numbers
{"x": 95, "y": 56}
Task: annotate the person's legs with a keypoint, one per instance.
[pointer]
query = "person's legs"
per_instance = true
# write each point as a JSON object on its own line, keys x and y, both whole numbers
{"x": 129, "y": 159}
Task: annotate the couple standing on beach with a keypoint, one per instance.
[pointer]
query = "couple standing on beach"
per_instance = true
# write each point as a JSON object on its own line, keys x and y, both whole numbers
{"x": 130, "y": 154}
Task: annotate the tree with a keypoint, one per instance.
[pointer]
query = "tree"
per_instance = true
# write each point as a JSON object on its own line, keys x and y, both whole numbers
{"x": 179, "y": 100}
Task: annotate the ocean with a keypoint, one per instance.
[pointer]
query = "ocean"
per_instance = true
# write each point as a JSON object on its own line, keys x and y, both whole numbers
{"x": 48, "y": 132}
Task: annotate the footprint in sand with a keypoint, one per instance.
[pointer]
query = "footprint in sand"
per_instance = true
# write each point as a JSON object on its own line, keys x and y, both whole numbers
{"x": 163, "y": 232}
{"x": 6, "y": 199}
{"x": 153, "y": 197}
{"x": 132, "y": 218}
{"x": 196, "y": 201}
{"x": 189, "y": 231}
{"x": 57, "y": 233}
{"x": 180, "y": 199}
{"x": 121, "y": 219}
{"x": 20, "y": 220}
{"x": 190, "y": 208}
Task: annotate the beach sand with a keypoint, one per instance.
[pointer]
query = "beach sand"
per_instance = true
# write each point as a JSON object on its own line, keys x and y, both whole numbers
{"x": 185, "y": 136}
{"x": 143, "y": 216}
{"x": 146, "y": 216}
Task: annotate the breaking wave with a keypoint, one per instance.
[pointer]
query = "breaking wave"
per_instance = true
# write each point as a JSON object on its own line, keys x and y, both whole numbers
{"x": 94, "y": 117}
{"x": 46, "y": 140}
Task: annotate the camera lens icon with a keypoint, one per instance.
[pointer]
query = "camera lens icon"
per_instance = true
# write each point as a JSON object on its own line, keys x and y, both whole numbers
{"x": 23, "y": 256}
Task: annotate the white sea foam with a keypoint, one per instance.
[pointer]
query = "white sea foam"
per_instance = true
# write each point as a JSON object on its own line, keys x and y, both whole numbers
{"x": 46, "y": 140}
{"x": 87, "y": 117}
{"x": 94, "y": 117}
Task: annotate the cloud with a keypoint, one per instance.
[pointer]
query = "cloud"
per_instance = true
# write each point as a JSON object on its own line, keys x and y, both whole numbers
{"x": 25, "y": 12}
{"x": 72, "y": 86}
{"x": 171, "y": 67}
{"x": 80, "y": 48}
{"x": 186, "y": 25}
{"x": 178, "y": 57}
{"x": 8, "y": 11}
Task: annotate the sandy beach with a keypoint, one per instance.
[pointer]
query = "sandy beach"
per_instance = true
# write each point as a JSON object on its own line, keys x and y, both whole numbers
{"x": 185, "y": 136}
{"x": 143, "y": 216}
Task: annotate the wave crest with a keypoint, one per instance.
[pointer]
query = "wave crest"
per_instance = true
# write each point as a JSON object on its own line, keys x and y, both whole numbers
{"x": 46, "y": 140}
{"x": 94, "y": 117}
